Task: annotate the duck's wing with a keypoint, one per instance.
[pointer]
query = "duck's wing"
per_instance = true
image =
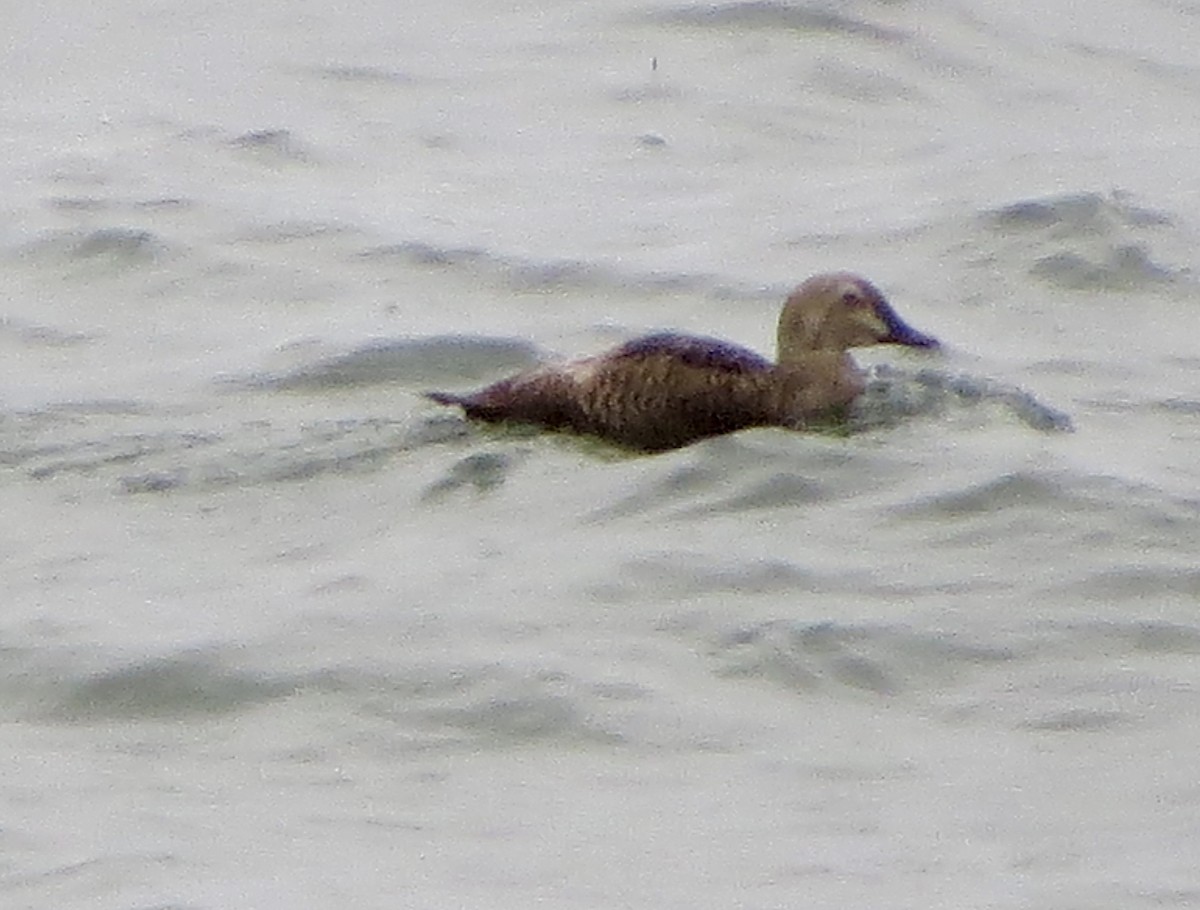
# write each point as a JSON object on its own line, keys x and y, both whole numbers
{"x": 694, "y": 351}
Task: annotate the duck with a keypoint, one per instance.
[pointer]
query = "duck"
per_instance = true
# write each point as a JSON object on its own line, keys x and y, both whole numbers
{"x": 668, "y": 390}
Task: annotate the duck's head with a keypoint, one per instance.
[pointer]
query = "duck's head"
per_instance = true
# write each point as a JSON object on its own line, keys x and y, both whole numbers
{"x": 838, "y": 311}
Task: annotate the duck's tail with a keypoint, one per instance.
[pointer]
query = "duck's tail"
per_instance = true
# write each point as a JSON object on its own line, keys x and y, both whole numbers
{"x": 448, "y": 398}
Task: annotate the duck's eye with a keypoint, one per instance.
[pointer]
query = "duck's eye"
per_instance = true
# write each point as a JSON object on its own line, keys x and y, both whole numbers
{"x": 853, "y": 299}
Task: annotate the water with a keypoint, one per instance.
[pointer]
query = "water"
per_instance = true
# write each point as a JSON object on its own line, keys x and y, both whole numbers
{"x": 279, "y": 633}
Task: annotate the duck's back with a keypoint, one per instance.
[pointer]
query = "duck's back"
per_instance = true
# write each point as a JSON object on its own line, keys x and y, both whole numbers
{"x": 693, "y": 351}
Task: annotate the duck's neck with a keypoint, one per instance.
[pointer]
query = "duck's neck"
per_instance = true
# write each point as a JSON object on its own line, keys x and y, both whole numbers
{"x": 800, "y": 335}
{"x": 793, "y": 350}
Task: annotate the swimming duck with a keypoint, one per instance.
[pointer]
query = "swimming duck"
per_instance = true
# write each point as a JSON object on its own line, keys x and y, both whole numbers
{"x": 667, "y": 390}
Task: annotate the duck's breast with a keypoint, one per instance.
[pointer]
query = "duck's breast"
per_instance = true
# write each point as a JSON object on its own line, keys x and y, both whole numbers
{"x": 823, "y": 385}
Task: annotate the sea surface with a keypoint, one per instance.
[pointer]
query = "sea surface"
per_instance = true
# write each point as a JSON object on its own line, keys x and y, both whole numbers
{"x": 277, "y": 632}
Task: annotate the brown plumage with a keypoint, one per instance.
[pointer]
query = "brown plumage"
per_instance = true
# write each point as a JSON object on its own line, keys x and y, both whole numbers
{"x": 667, "y": 390}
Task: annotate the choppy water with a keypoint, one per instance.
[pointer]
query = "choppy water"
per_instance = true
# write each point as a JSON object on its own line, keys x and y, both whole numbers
{"x": 279, "y": 633}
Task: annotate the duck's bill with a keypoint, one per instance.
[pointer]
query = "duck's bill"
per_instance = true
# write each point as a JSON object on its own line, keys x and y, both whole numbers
{"x": 900, "y": 332}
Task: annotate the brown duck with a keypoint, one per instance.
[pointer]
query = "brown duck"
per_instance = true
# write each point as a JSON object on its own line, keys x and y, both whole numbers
{"x": 667, "y": 390}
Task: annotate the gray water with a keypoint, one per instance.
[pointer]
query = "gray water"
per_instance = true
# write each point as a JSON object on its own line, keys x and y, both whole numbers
{"x": 277, "y": 632}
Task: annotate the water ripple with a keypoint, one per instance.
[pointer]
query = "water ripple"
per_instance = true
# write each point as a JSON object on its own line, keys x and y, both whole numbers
{"x": 880, "y": 660}
{"x": 894, "y": 394}
{"x": 766, "y": 14}
{"x": 1090, "y": 241}
{"x": 407, "y": 361}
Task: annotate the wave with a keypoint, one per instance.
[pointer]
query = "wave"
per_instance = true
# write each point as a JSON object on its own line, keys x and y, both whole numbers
{"x": 132, "y": 448}
{"x": 1087, "y": 676}
{"x": 727, "y": 475}
{"x": 273, "y": 146}
{"x": 364, "y": 75}
{"x": 1056, "y": 494}
{"x": 114, "y": 247}
{"x": 172, "y": 687}
{"x": 34, "y": 334}
{"x": 880, "y": 660}
{"x": 671, "y": 575}
{"x": 1084, "y": 676}
{"x": 406, "y": 361}
{"x": 534, "y": 276}
{"x": 489, "y": 705}
{"x": 765, "y": 14}
{"x": 1089, "y": 241}
{"x": 1074, "y": 214}
{"x": 1122, "y": 268}
{"x": 894, "y": 394}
